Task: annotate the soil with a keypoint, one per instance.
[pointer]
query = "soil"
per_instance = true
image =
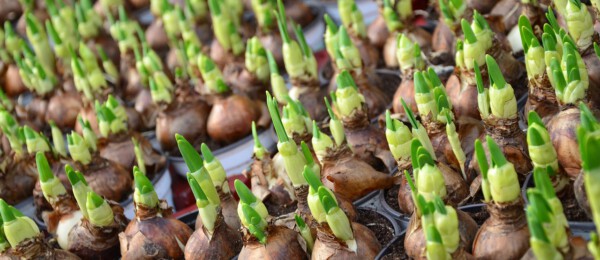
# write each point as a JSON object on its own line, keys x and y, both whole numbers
{"x": 381, "y": 226}
{"x": 280, "y": 210}
{"x": 479, "y": 214}
{"x": 396, "y": 251}
{"x": 391, "y": 197}
{"x": 572, "y": 210}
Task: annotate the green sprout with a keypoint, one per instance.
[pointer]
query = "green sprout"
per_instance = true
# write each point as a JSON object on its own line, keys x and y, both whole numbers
{"x": 305, "y": 232}
{"x": 503, "y": 103}
{"x": 540, "y": 146}
{"x": 225, "y": 28}
{"x": 252, "y": 212}
{"x": 211, "y": 75}
{"x": 206, "y": 209}
{"x": 39, "y": 40}
{"x": 80, "y": 188}
{"x": 478, "y": 40}
{"x": 36, "y": 142}
{"x": 293, "y": 160}
{"x": 144, "y": 193}
{"x": 335, "y": 125}
{"x": 298, "y": 58}
{"x": 534, "y": 52}
{"x": 321, "y": 142}
{"x": 429, "y": 179}
{"x": 88, "y": 133}
{"x": 260, "y": 152}
{"x": 263, "y": 11}
{"x": 348, "y": 96}
{"x": 112, "y": 117}
{"x": 580, "y": 23}
{"x": 278, "y": 86}
{"x": 100, "y": 212}
{"x": 314, "y": 203}
{"x": 17, "y": 227}
{"x": 256, "y": 60}
{"x": 331, "y": 38}
{"x": 572, "y": 82}
{"x": 78, "y": 148}
{"x": 191, "y": 157}
{"x": 409, "y": 54}
{"x": 348, "y": 56}
{"x": 352, "y": 18}
{"x": 51, "y": 185}
{"x": 501, "y": 175}
{"x": 399, "y": 139}
{"x": 336, "y": 218}
{"x": 418, "y": 131}
{"x": 215, "y": 169}
{"x": 452, "y": 11}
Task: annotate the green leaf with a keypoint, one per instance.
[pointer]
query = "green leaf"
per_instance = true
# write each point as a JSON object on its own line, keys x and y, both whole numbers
{"x": 480, "y": 20}
{"x": 251, "y": 215}
{"x": 424, "y": 157}
{"x": 329, "y": 110}
{"x": 312, "y": 178}
{"x": 281, "y": 22}
{"x": 468, "y": 32}
{"x": 214, "y": 6}
{"x": 306, "y": 50}
{"x": 344, "y": 38}
{"x": 7, "y": 214}
{"x": 549, "y": 42}
{"x": 439, "y": 205}
{"x": 207, "y": 153}
{"x": 534, "y": 118}
{"x": 495, "y": 73}
{"x": 590, "y": 155}
{"x": 421, "y": 85}
{"x": 388, "y": 121}
{"x": 307, "y": 154}
{"x": 142, "y": 183}
{"x": 552, "y": 19}
{"x": 300, "y": 222}
{"x": 433, "y": 235}
{"x": 525, "y": 25}
{"x": 191, "y": 157}
{"x": 327, "y": 200}
{"x": 424, "y": 207}
{"x": 433, "y": 77}
{"x": 559, "y": 79}
{"x": 543, "y": 183}
{"x": 94, "y": 199}
{"x": 331, "y": 26}
{"x": 43, "y": 167}
{"x": 542, "y": 209}
{"x": 414, "y": 148}
{"x": 275, "y": 117}
{"x": 71, "y": 175}
{"x": 344, "y": 80}
{"x": 478, "y": 78}
{"x": 536, "y": 229}
{"x": 534, "y": 137}
{"x": 409, "y": 114}
{"x": 196, "y": 190}
{"x": 597, "y": 49}
{"x": 272, "y": 63}
{"x": 243, "y": 192}
{"x": 481, "y": 159}
{"x": 498, "y": 158}
{"x": 588, "y": 120}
